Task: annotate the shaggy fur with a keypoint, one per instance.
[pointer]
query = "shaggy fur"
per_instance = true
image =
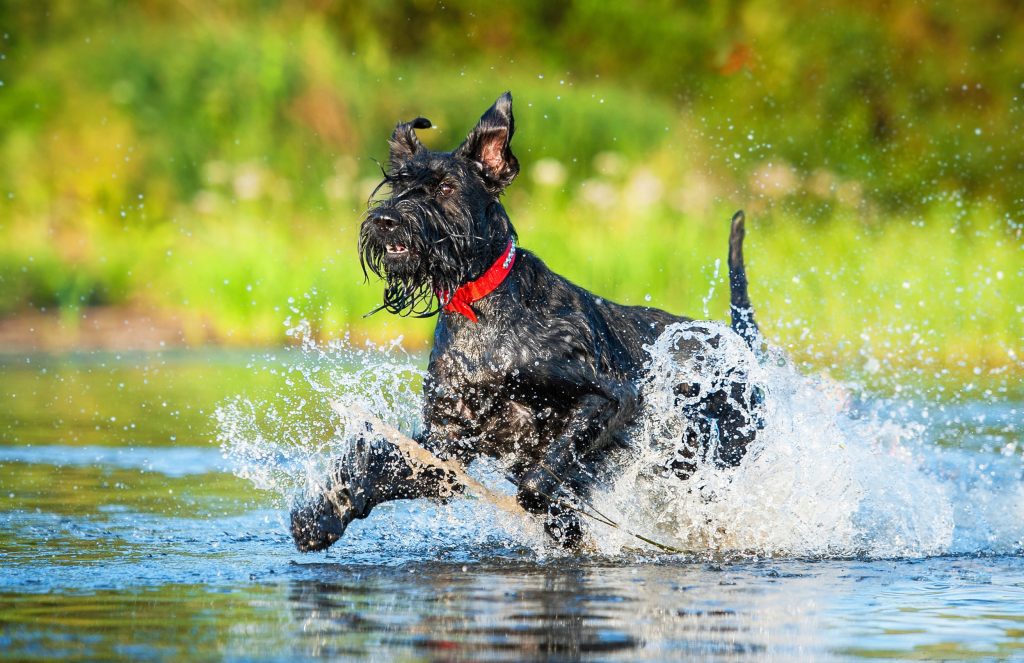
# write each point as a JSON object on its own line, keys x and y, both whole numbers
{"x": 547, "y": 379}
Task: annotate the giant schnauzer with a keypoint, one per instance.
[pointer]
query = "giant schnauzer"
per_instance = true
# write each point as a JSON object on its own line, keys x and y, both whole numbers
{"x": 526, "y": 366}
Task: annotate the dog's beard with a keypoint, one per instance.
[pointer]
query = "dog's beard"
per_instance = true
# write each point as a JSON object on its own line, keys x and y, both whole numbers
{"x": 408, "y": 298}
{"x": 438, "y": 259}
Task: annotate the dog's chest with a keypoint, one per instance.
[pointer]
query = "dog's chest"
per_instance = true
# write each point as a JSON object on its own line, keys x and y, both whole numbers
{"x": 476, "y": 396}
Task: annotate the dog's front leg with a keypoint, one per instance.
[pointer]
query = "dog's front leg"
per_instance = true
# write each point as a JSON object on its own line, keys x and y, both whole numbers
{"x": 371, "y": 472}
{"x": 596, "y": 422}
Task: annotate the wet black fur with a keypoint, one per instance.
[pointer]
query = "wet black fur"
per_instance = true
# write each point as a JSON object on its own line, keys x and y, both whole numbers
{"x": 546, "y": 380}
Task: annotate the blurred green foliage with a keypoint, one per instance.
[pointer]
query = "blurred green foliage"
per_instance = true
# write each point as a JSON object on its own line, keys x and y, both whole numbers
{"x": 213, "y": 159}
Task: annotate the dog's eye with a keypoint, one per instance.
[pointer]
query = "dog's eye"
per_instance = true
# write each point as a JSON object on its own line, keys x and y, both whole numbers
{"x": 444, "y": 190}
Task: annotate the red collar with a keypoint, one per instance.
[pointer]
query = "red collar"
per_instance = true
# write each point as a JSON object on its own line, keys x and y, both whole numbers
{"x": 476, "y": 290}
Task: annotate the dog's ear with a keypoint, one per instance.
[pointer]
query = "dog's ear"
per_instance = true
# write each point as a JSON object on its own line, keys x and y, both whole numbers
{"x": 488, "y": 144}
{"x": 404, "y": 142}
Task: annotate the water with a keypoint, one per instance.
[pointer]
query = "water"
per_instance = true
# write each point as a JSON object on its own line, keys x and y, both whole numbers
{"x": 865, "y": 529}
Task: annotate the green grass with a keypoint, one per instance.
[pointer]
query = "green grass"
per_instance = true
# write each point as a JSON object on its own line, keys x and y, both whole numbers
{"x": 929, "y": 290}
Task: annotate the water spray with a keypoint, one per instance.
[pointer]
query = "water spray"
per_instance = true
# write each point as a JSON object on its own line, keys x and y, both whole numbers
{"x": 421, "y": 456}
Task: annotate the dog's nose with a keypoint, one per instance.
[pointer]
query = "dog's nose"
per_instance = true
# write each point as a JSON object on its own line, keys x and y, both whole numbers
{"x": 385, "y": 220}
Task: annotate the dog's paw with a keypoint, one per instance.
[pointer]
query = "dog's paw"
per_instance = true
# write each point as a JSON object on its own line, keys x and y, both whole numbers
{"x": 318, "y": 524}
{"x": 564, "y": 527}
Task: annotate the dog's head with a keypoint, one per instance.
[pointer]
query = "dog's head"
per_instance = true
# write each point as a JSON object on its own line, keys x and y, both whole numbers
{"x": 440, "y": 224}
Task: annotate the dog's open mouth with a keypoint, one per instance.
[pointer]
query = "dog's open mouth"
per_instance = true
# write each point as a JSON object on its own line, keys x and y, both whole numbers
{"x": 397, "y": 249}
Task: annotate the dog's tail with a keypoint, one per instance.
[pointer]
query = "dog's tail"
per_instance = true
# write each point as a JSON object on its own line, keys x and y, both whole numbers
{"x": 739, "y": 301}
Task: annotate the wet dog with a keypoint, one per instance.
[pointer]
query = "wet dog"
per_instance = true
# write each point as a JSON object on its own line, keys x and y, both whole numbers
{"x": 526, "y": 366}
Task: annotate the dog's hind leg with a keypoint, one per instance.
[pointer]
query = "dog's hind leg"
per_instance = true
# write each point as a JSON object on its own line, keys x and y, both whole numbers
{"x": 721, "y": 408}
{"x": 741, "y": 311}
{"x": 722, "y": 425}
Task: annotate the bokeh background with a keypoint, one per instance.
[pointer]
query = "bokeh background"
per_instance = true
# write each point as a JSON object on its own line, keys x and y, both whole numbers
{"x": 180, "y": 173}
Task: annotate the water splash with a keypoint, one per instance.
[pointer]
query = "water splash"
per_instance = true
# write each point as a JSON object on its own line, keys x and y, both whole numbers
{"x": 284, "y": 444}
{"x": 829, "y": 475}
{"x": 821, "y": 478}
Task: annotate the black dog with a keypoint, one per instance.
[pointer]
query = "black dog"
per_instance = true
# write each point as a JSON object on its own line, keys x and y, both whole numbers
{"x": 526, "y": 365}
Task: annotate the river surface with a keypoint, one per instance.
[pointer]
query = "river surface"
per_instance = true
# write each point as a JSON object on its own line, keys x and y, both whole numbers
{"x": 126, "y": 533}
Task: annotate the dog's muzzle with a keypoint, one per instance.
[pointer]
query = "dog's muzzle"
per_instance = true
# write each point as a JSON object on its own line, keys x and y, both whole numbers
{"x": 385, "y": 231}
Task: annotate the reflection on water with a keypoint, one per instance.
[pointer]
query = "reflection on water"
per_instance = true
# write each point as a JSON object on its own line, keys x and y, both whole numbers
{"x": 118, "y": 542}
{"x": 497, "y": 610}
{"x": 658, "y": 611}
